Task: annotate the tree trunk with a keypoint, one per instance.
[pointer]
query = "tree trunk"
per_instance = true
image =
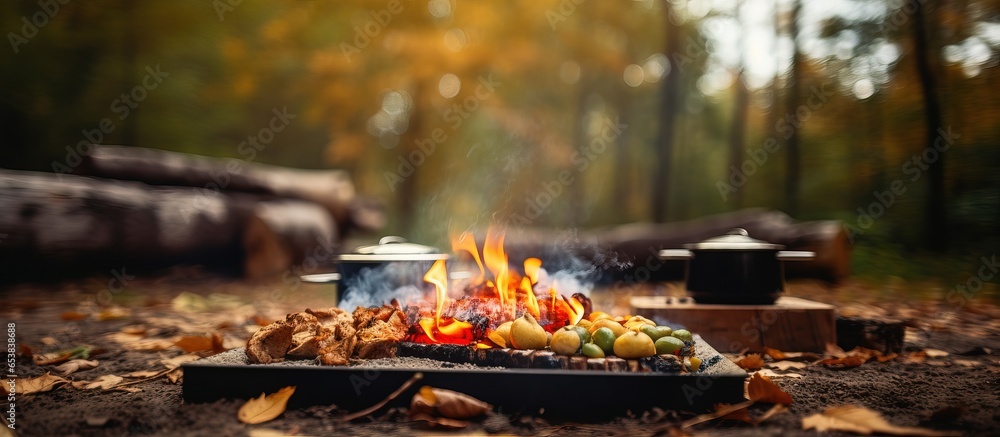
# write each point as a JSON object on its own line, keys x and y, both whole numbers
{"x": 332, "y": 189}
{"x": 936, "y": 228}
{"x": 737, "y": 131}
{"x": 792, "y": 178}
{"x": 63, "y": 225}
{"x": 668, "y": 114}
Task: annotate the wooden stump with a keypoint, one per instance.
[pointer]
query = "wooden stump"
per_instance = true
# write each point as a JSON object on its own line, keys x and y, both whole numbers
{"x": 791, "y": 324}
{"x": 882, "y": 334}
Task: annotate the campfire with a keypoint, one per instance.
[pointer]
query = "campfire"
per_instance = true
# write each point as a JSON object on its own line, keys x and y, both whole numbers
{"x": 499, "y": 294}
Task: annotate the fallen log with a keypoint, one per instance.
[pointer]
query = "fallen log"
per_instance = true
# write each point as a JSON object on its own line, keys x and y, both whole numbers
{"x": 332, "y": 189}
{"x": 629, "y": 252}
{"x": 64, "y": 225}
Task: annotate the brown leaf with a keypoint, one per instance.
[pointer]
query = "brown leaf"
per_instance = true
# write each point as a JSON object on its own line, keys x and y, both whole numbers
{"x": 260, "y": 320}
{"x": 104, "y": 382}
{"x": 265, "y": 408}
{"x": 845, "y": 362}
{"x": 860, "y": 420}
{"x": 38, "y": 384}
{"x": 112, "y": 313}
{"x": 48, "y": 341}
{"x": 785, "y": 365}
{"x": 915, "y": 357}
{"x": 739, "y": 414}
{"x": 750, "y": 362}
{"x": 835, "y": 351}
{"x": 194, "y": 343}
{"x": 51, "y": 359}
{"x": 26, "y": 351}
{"x": 935, "y": 353}
{"x": 175, "y": 375}
{"x": 772, "y": 374}
{"x": 143, "y": 374}
{"x": 134, "y": 330}
{"x": 762, "y": 389}
{"x": 74, "y": 366}
{"x": 885, "y": 358}
{"x": 175, "y": 362}
{"x": 775, "y": 410}
{"x": 779, "y": 355}
{"x": 72, "y": 316}
{"x": 443, "y": 422}
{"x": 447, "y": 403}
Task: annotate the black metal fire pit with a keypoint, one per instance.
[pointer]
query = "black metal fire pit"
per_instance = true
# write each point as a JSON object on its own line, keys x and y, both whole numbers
{"x": 569, "y": 394}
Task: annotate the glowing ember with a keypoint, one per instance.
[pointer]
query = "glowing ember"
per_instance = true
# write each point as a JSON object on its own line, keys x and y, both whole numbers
{"x": 490, "y": 300}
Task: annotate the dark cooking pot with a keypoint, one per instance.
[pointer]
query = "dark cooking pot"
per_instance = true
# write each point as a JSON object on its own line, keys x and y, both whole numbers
{"x": 381, "y": 269}
{"x": 734, "y": 268}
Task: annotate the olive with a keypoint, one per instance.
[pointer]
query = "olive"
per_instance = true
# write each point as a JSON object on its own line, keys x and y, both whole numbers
{"x": 668, "y": 345}
{"x": 604, "y": 338}
{"x": 655, "y": 332}
{"x": 583, "y": 332}
{"x": 592, "y": 350}
{"x": 683, "y": 334}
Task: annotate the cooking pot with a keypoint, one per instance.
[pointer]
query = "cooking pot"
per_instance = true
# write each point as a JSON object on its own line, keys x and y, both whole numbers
{"x": 734, "y": 268}
{"x": 380, "y": 269}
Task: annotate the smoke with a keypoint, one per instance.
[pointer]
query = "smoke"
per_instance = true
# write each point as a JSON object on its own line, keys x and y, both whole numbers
{"x": 376, "y": 286}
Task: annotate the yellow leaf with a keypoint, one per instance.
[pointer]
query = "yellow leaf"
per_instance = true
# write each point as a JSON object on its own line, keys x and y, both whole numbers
{"x": 175, "y": 362}
{"x": 105, "y": 382}
{"x": 37, "y": 384}
{"x": 265, "y": 408}
{"x": 860, "y": 420}
{"x": 73, "y": 366}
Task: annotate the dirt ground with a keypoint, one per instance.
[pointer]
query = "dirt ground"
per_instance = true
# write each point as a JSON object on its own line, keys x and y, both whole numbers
{"x": 962, "y": 386}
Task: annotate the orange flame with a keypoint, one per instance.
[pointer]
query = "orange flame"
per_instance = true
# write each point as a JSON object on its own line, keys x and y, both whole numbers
{"x": 467, "y": 243}
{"x": 496, "y": 261}
{"x": 488, "y": 302}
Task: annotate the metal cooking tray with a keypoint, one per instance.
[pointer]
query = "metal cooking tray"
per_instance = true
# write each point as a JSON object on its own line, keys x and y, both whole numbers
{"x": 576, "y": 394}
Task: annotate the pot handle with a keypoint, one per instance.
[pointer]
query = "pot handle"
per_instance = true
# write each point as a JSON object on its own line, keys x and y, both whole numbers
{"x": 321, "y": 278}
{"x": 675, "y": 254}
{"x": 795, "y": 255}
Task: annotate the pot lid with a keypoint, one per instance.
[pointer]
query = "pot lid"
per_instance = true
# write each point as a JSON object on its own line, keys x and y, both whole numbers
{"x": 393, "y": 248}
{"x": 736, "y": 239}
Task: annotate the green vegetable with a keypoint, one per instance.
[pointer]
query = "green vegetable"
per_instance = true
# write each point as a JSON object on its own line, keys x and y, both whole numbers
{"x": 605, "y": 339}
{"x": 592, "y": 350}
{"x": 655, "y": 332}
{"x": 683, "y": 334}
{"x": 668, "y": 345}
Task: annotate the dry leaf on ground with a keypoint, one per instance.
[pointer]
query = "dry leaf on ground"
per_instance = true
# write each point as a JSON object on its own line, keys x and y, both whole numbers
{"x": 72, "y": 316}
{"x": 37, "y": 384}
{"x": 266, "y": 407}
{"x": 195, "y": 343}
{"x": 741, "y": 414}
{"x": 750, "y": 362}
{"x": 104, "y": 382}
{"x": 136, "y": 342}
{"x": 785, "y": 365}
{"x": 443, "y": 422}
{"x": 860, "y": 420}
{"x": 844, "y": 362}
{"x": 935, "y": 353}
{"x": 112, "y": 313}
{"x": 762, "y": 389}
{"x": 772, "y": 374}
{"x": 143, "y": 374}
{"x": 175, "y": 362}
{"x": 73, "y": 366}
{"x": 447, "y": 403}
{"x": 48, "y": 341}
